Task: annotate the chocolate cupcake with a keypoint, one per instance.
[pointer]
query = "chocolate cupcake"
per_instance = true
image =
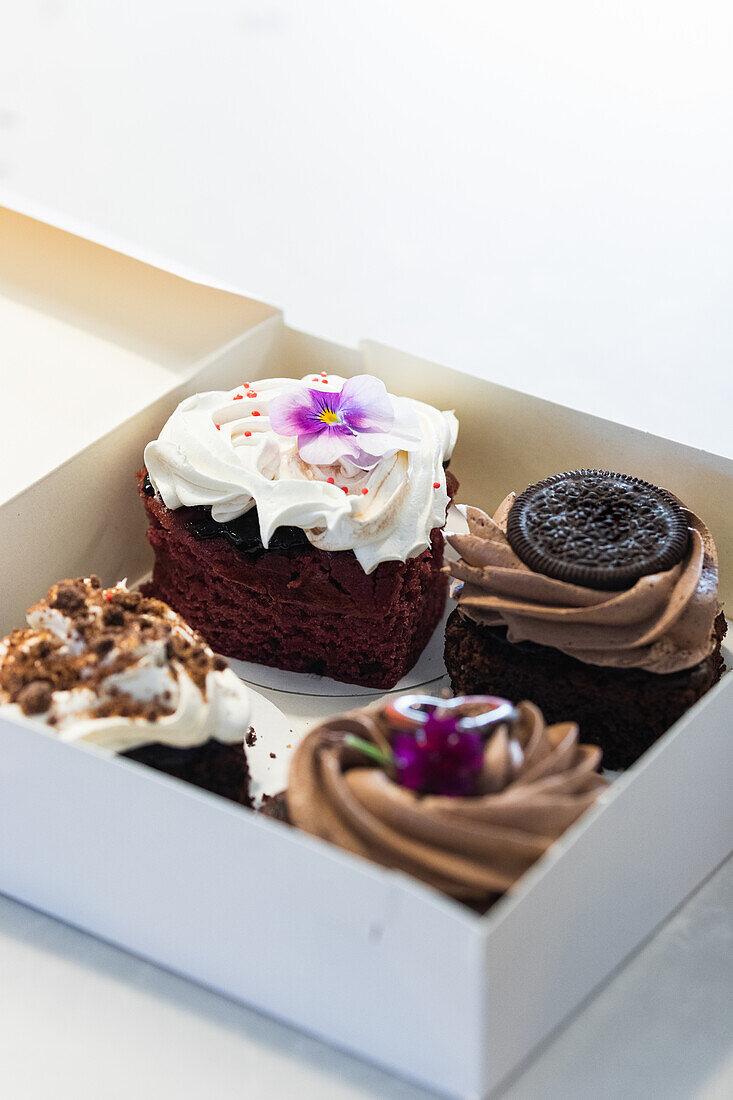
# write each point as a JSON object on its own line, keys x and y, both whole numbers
{"x": 298, "y": 524}
{"x": 595, "y": 594}
{"x": 463, "y": 794}
{"x": 114, "y": 669}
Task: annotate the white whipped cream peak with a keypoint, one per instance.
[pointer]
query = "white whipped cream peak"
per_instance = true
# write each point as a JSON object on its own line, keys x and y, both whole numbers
{"x": 223, "y": 715}
{"x": 219, "y": 450}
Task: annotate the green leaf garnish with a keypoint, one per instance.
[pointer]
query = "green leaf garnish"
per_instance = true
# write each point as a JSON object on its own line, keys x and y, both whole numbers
{"x": 369, "y": 749}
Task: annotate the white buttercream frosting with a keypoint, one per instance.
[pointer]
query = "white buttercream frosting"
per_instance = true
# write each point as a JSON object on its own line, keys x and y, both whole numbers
{"x": 219, "y": 450}
{"x": 141, "y": 671}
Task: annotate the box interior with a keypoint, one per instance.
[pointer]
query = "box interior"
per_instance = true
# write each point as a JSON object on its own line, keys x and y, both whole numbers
{"x": 102, "y": 333}
{"x": 109, "y": 540}
{"x": 137, "y": 320}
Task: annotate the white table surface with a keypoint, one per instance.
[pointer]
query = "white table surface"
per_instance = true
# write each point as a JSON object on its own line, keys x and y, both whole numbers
{"x": 537, "y": 193}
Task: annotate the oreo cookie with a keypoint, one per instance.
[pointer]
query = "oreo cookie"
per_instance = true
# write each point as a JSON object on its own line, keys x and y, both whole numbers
{"x": 597, "y": 529}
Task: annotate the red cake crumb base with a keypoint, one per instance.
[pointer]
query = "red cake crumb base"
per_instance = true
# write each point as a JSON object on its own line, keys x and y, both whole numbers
{"x": 305, "y": 610}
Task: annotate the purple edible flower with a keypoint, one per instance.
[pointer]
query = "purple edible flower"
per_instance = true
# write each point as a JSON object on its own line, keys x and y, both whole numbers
{"x": 438, "y": 758}
{"x": 356, "y": 422}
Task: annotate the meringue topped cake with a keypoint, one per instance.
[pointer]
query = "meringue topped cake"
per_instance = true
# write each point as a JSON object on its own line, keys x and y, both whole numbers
{"x": 115, "y": 669}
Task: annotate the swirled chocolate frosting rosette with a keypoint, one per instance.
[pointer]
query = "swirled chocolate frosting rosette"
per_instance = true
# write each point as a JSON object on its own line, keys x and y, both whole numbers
{"x": 464, "y": 794}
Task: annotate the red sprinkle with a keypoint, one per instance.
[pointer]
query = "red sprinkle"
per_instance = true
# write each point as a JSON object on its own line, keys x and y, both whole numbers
{"x": 108, "y": 595}
{"x": 218, "y": 427}
{"x": 254, "y": 412}
{"x": 245, "y": 385}
{"x": 436, "y": 484}
{"x": 364, "y": 492}
{"x": 248, "y": 433}
{"x": 314, "y": 379}
{"x": 343, "y": 489}
{"x": 237, "y": 397}
{"x": 330, "y": 480}
{"x": 324, "y": 373}
{"x": 251, "y": 394}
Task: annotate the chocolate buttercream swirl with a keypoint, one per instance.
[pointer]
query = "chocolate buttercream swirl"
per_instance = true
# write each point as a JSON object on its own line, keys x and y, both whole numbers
{"x": 536, "y": 781}
{"x": 663, "y": 623}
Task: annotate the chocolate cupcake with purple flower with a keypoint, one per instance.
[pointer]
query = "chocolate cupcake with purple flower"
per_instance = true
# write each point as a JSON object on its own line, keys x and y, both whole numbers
{"x": 298, "y": 524}
{"x": 464, "y": 794}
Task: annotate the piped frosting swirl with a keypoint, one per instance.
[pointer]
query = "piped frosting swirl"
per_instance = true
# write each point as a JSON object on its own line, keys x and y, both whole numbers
{"x": 119, "y": 670}
{"x": 663, "y": 623}
{"x": 536, "y": 781}
{"x": 219, "y": 450}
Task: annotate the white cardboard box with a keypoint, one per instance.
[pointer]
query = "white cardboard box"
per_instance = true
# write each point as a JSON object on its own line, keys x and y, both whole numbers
{"x": 365, "y": 958}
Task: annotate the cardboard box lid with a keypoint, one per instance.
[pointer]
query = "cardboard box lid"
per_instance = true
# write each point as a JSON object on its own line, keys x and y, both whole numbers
{"x": 105, "y": 334}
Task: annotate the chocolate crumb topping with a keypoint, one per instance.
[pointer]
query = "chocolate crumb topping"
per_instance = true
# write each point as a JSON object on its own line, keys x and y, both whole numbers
{"x": 102, "y": 645}
{"x": 177, "y": 647}
{"x": 35, "y": 697}
{"x": 68, "y": 598}
{"x": 113, "y": 616}
{"x": 107, "y": 633}
{"x": 251, "y": 737}
{"x": 148, "y": 605}
{"x": 128, "y": 600}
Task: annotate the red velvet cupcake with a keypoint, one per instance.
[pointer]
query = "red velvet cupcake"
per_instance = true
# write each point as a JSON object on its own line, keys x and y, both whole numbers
{"x": 298, "y": 524}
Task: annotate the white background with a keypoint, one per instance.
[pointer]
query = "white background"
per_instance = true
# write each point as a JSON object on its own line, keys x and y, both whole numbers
{"x": 539, "y": 193}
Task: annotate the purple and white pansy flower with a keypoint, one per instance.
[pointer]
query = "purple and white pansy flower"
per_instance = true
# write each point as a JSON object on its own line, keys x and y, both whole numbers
{"x": 360, "y": 422}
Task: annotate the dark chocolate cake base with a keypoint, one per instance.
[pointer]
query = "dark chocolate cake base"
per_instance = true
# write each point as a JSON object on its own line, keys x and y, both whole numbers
{"x": 276, "y": 806}
{"x": 622, "y": 710}
{"x": 298, "y": 607}
{"x": 212, "y": 766}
